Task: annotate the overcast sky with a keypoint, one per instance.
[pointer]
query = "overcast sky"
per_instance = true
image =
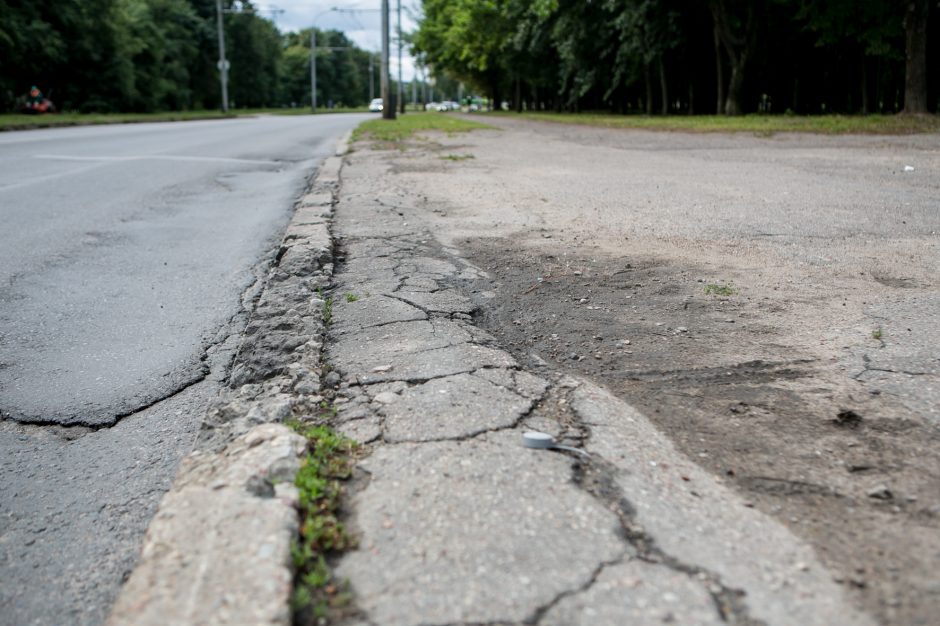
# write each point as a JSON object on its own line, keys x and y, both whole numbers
{"x": 363, "y": 28}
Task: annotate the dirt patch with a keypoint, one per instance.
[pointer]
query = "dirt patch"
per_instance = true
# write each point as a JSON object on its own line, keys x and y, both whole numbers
{"x": 841, "y": 464}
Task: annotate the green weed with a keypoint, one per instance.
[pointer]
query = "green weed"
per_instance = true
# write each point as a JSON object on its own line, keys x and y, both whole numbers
{"x": 877, "y": 334}
{"x": 405, "y": 127}
{"x": 328, "y": 311}
{"x": 713, "y": 289}
{"x": 319, "y": 483}
{"x": 351, "y": 297}
{"x": 457, "y": 157}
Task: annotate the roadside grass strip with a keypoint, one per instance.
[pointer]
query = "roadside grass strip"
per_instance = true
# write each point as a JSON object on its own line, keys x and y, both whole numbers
{"x": 757, "y": 124}
{"x": 20, "y": 121}
{"x": 407, "y": 126}
{"x": 328, "y": 464}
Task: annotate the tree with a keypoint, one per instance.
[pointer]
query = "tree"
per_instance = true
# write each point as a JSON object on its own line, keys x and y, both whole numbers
{"x": 735, "y": 23}
{"x": 915, "y": 80}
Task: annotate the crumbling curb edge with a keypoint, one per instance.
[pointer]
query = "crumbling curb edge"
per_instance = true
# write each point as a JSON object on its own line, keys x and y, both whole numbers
{"x": 218, "y": 551}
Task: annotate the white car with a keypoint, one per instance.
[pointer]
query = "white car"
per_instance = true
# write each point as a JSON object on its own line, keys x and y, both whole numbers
{"x": 376, "y": 105}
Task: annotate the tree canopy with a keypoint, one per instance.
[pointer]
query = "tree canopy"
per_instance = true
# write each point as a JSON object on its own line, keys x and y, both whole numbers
{"x": 724, "y": 56}
{"x": 161, "y": 55}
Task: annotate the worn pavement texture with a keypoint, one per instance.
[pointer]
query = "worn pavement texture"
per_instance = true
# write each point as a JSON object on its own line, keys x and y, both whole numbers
{"x": 218, "y": 550}
{"x": 735, "y": 338}
{"x": 767, "y": 305}
{"x": 461, "y": 524}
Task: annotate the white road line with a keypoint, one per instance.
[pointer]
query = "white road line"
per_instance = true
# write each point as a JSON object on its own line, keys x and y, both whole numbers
{"x": 155, "y": 157}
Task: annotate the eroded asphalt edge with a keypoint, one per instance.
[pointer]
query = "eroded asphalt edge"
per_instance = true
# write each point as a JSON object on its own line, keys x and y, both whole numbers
{"x": 218, "y": 548}
{"x": 458, "y": 523}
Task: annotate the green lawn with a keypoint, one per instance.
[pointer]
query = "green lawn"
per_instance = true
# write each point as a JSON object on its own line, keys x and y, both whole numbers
{"x": 407, "y": 125}
{"x": 17, "y": 121}
{"x": 758, "y": 124}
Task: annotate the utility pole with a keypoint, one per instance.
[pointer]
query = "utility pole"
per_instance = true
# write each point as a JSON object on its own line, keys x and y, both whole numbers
{"x": 371, "y": 79}
{"x": 414, "y": 90}
{"x": 401, "y": 98}
{"x": 223, "y": 63}
{"x": 388, "y": 111}
{"x": 313, "y": 68}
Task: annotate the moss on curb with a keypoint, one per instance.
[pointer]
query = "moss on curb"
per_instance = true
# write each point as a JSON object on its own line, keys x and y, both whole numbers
{"x": 327, "y": 465}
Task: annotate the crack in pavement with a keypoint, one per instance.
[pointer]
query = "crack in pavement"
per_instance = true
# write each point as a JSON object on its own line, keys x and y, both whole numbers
{"x": 596, "y": 477}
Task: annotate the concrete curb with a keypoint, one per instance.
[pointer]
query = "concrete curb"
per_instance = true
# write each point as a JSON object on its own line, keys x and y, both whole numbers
{"x": 218, "y": 549}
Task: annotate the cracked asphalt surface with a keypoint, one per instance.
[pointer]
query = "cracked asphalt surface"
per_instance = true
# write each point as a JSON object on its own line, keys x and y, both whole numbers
{"x": 782, "y": 467}
{"x": 461, "y": 524}
{"x": 130, "y": 257}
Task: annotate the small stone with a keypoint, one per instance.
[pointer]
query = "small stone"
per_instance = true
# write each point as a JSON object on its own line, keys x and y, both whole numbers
{"x": 682, "y": 329}
{"x": 583, "y": 301}
{"x": 386, "y": 397}
{"x": 881, "y": 492}
{"x": 382, "y": 368}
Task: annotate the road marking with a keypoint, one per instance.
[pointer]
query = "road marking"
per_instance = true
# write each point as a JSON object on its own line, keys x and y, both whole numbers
{"x": 99, "y": 161}
{"x": 42, "y": 179}
{"x": 156, "y": 157}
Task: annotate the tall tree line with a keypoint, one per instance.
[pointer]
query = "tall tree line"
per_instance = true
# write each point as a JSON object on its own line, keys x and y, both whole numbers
{"x": 161, "y": 55}
{"x": 690, "y": 56}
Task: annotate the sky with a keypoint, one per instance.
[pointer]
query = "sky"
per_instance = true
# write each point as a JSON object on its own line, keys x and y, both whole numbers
{"x": 363, "y": 28}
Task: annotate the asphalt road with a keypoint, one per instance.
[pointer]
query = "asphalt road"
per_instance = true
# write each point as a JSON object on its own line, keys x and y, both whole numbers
{"x": 124, "y": 257}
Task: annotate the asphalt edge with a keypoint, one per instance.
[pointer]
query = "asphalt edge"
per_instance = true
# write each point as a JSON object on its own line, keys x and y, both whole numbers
{"x": 218, "y": 549}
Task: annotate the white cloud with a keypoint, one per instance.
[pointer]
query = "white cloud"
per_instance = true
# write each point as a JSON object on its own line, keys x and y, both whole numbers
{"x": 359, "y": 19}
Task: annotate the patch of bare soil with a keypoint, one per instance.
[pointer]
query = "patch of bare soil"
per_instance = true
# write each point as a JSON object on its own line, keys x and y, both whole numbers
{"x": 853, "y": 473}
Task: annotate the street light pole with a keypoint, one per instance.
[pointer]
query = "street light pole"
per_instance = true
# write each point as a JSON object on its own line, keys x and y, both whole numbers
{"x": 313, "y": 68}
{"x": 223, "y": 63}
{"x": 401, "y": 99}
{"x": 388, "y": 112}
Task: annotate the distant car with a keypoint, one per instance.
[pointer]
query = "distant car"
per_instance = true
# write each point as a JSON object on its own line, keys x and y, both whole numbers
{"x": 431, "y": 106}
{"x": 376, "y": 105}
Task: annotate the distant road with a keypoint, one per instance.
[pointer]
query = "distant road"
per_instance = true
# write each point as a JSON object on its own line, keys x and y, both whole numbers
{"x": 124, "y": 255}
{"x": 124, "y": 250}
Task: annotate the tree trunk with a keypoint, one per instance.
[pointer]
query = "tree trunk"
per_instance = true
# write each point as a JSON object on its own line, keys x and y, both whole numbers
{"x": 735, "y": 89}
{"x": 649, "y": 91}
{"x": 720, "y": 72}
{"x": 518, "y": 95}
{"x": 691, "y": 98}
{"x": 865, "y": 107}
{"x": 915, "y": 76}
{"x": 738, "y": 47}
{"x": 664, "y": 88}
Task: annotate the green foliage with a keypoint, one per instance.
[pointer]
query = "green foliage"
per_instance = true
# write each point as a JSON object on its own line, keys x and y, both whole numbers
{"x": 107, "y": 56}
{"x": 319, "y": 483}
{"x": 734, "y": 56}
{"x": 351, "y": 297}
{"x": 328, "y": 311}
{"x": 407, "y": 126}
{"x": 713, "y": 289}
{"x": 763, "y": 125}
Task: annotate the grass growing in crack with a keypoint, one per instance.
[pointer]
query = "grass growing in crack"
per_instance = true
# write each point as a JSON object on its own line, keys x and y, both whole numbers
{"x": 351, "y": 297}
{"x": 877, "y": 334}
{"x": 457, "y": 157}
{"x": 319, "y": 483}
{"x": 713, "y": 289}
{"x": 328, "y": 311}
